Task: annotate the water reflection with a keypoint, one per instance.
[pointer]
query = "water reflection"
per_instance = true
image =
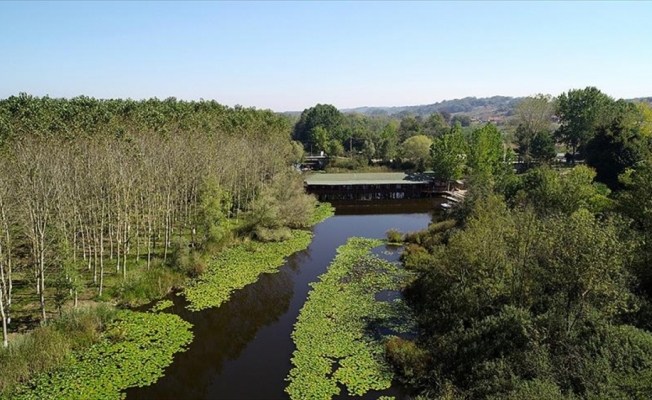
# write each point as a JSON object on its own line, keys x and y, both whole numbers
{"x": 242, "y": 350}
{"x": 220, "y": 336}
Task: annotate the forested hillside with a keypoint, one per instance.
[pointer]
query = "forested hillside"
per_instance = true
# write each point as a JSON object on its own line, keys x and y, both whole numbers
{"x": 496, "y": 105}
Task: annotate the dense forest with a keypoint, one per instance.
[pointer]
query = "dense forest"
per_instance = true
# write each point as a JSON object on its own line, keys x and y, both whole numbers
{"x": 538, "y": 286}
{"x": 134, "y": 193}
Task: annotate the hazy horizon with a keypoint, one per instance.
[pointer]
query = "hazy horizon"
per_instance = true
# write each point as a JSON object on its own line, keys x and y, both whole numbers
{"x": 288, "y": 56}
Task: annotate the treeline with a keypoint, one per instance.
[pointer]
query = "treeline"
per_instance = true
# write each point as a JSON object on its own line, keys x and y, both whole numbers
{"x": 538, "y": 127}
{"x": 366, "y": 138}
{"x": 92, "y": 190}
{"x": 538, "y": 286}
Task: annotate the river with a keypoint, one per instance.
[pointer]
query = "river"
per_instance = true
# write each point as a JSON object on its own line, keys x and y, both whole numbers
{"x": 242, "y": 349}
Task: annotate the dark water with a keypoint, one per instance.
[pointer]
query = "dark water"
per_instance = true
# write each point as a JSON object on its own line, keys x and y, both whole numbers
{"x": 242, "y": 349}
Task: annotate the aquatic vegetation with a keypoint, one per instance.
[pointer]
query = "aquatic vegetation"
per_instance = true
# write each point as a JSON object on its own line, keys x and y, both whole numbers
{"x": 322, "y": 211}
{"x": 238, "y": 266}
{"x": 337, "y": 332}
{"x": 134, "y": 351}
{"x": 162, "y": 305}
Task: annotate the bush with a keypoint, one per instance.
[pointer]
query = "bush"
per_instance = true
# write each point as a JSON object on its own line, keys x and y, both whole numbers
{"x": 416, "y": 257}
{"x": 394, "y": 236}
{"x": 410, "y": 361}
{"x": 29, "y": 354}
{"x": 272, "y": 235}
{"x": 149, "y": 285}
{"x": 83, "y": 326}
{"x": 46, "y": 347}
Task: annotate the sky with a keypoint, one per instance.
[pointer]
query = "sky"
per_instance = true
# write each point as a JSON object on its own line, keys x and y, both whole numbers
{"x": 288, "y": 56}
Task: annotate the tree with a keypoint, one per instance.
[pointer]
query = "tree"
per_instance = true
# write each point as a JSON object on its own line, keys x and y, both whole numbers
{"x": 324, "y": 116}
{"x": 410, "y": 126}
{"x": 389, "y": 141}
{"x": 464, "y": 120}
{"x": 533, "y": 116}
{"x": 543, "y": 147}
{"x": 550, "y": 193}
{"x": 449, "y": 154}
{"x": 534, "y": 113}
{"x": 335, "y": 148}
{"x": 417, "y": 150}
{"x": 486, "y": 152}
{"x": 617, "y": 146}
{"x": 319, "y": 136}
{"x": 435, "y": 126}
{"x": 581, "y": 112}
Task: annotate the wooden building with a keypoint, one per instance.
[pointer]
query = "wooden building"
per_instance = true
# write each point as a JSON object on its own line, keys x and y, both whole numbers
{"x": 373, "y": 186}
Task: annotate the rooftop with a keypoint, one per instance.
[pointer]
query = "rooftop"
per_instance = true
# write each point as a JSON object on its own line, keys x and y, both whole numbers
{"x": 372, "y": 178}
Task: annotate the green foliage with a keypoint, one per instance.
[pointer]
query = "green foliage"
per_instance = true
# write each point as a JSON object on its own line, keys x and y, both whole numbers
{"x": 543, "y": 147}
{"x": 580, "y": 112}
{"x": 144, "y": 286}
{"x": 133, "y": 351}
{"x": 319, "y": 124}
{"x": 486, "y": 151}
{"x": 40, "y": 350}
{"x": 321, "y": 212}
{"x": 619, "y": 145}
{"x": 551, "y": 192}
{"x": 410, "y": 126}
{"x": 214, "y": 206}
{"x": 280, "y": 205}
{"x": 238, "y": 266}
{"x": 528, "y": 302}
{"x": 435, "y": 126}
{"x": 404, "y": 355}
{"x": 161, "y": 305}
{"x": 46, "y": 347}
{"x": 334, "y": 343}
{"x": 394, "y": 236}
{"x": 463, "y": 120}
{"x": 417, "y": 150}
{"x": 449, "y": 153}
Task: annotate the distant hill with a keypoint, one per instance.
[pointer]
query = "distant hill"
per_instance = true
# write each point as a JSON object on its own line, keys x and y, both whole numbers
{"x": 472, "y": 106}
{"x": 479, "y": 108}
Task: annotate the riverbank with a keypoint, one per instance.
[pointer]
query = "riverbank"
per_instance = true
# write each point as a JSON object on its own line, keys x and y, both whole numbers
{"x": 127, "y": 336}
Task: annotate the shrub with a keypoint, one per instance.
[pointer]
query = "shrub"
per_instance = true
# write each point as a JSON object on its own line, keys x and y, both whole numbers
{"x": 407, "y": 358}
{"x": 29, "y": 354}
{"x": 146, "y": 286}
{"x": 83, "y": 326}
{"x": 272, "y": 235}
{"x": 394, "y": 236}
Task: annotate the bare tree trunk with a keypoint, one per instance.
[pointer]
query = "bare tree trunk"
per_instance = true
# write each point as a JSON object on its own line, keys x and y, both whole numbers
{"x": 101, "y": 253}
{"x": 149, "y": 242}
{"x": 3, "y": 315}
{"x": 42, "y": 278}
{"x": 3, "y": 291}
{"x": 167, "y": 228}
{"x": 125, "y": 248}
{"x": 111, "y": 241}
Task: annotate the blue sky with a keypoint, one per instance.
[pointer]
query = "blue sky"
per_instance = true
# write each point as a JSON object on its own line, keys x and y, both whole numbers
{"x": 293, "y": 55}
